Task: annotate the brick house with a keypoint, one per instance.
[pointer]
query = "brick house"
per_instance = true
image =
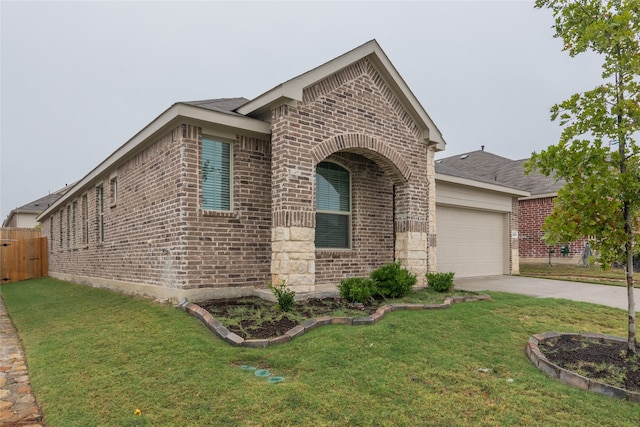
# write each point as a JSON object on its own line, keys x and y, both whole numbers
{"x": 532, "y": 208}
{"x": 25, "y": 215}
{"x": 328, "y": 175}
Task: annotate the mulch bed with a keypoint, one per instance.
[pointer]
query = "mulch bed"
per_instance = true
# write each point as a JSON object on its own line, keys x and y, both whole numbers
{"x": 278, "y": 323}
{"x": 603, "y": 361}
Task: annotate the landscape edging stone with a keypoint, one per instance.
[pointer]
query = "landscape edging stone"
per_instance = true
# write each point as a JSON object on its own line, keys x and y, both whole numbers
{"x": 565, "y": 376}
{"x": 218, "y": 329}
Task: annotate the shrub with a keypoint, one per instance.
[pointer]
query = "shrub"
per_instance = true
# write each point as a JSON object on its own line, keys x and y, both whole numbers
{"x": 357, "y": 289}
{"x": 284, "y": 296}
{"x": 393, "y": 281}
{"x": 440, "y": 282}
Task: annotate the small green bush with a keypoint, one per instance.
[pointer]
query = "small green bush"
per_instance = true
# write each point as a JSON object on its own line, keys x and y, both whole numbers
{"x": 440, "y": 282}
{"x": 357, "y": 289}
{"x": 284, "y": 296}
{"x": 393, "y": 281}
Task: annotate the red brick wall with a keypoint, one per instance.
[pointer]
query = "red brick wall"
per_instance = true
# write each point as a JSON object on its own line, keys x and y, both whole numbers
{"x": 532, "y": 213}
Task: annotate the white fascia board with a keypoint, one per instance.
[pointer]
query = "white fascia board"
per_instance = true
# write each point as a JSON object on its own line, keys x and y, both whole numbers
{"x": 540, "y": 196}
{"x": 172, "y": 116}
{"x": 481, "y": 185}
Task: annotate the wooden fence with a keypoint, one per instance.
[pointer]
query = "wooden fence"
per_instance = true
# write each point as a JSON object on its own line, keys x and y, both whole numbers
{"x": 23, "y": 254}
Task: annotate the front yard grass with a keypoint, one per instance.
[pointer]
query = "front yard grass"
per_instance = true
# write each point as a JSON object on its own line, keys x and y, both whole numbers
{"x": 95, "y": 357}
{"x": 577, "y": 273}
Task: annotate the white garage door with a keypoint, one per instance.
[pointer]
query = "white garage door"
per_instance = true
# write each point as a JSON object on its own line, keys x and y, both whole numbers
{"x": 470, "y": 242}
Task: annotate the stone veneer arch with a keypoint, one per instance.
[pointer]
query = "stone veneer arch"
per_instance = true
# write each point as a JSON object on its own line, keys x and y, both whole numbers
{"x": 386, "y": 157}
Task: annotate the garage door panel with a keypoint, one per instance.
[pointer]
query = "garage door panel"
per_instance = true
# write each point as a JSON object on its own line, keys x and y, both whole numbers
{"x": 470, "y": 242}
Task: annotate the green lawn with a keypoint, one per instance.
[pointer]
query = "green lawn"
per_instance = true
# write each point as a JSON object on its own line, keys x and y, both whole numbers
{"x": 95, "y": 357}
{"x": 574, "y": 272}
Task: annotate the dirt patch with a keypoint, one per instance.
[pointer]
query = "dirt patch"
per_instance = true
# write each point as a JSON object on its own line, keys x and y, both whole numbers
{"x": 603, "y": 361}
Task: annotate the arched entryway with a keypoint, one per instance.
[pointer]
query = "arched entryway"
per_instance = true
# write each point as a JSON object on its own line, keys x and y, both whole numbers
{"x": 378, "y": 213}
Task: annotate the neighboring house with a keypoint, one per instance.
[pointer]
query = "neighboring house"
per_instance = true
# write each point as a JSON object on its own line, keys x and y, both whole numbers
{"x": 25, "y": 216}
{"x": 326, "y": 176}
{"x": 533, "y": 209}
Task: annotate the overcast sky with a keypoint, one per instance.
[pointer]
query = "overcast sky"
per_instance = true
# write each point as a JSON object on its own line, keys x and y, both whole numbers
{"x": 78, "y": 79}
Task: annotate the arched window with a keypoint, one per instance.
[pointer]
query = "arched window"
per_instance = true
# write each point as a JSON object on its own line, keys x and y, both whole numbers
{"x": 333, "y": 206}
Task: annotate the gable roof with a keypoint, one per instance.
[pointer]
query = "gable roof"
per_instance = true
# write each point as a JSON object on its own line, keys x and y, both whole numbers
{"x": 490, "y": 168}
{"x": 290, "y": 92}
{"x": 233, "y": 114}
{"x": 222, "y": 105}
{"x": 37, "y": 206}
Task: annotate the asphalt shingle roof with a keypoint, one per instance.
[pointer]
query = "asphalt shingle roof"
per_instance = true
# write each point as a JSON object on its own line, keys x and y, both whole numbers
{"x": 221, "y": 105}
{"x": 39, "y": 205}
{"x": 487, "y": 167}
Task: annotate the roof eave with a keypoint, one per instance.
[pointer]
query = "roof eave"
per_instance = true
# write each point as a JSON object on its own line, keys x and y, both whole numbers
{"x": 291, "y": 91}
{"x": 540, "y": 196}
{"x": 172, "y": 116}
{"x": 481, "y": 185}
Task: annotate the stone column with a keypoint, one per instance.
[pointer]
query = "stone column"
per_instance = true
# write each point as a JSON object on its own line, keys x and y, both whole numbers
{"x": 293, "y": 255}
{"x": 411, "y": 251}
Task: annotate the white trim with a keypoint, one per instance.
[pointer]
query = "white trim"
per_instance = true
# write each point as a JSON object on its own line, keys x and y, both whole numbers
{"x": 482, "y": 185}
{"x": 343, "y": 213}
{"x": 540, "y": 196}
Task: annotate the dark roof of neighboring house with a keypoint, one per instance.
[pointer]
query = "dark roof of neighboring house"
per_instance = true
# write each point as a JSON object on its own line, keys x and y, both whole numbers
{"x": 222, "y": 105}
{"x": 487, "y": 167}
{"x": 37, "y": 206}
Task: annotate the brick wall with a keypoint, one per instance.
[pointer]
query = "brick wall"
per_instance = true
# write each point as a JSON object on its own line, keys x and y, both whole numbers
{"x": 531, "y": 219}
{"x": 157, "y": 234}
{"x": 352, "y": 111}
{"x": 141, "y": 231}
{"x": 230, "y": 249}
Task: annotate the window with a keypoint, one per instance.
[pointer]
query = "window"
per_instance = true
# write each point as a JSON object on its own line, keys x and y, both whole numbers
{"x": 85, "y": 220}
{"x": 74, "y": 223}
{"x": 68, "y": 226}
{"x": 333, "y": 206}
{"x": 61, "y": 228}
{"x": 100, "y": 210}
{"x": 113, "y": 186}
{"x": 216, "y": 175}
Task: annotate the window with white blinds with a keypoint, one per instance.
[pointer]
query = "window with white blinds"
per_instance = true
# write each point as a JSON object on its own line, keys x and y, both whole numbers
{"x": 333, "y": 206}
{"x": 216, "y": 175}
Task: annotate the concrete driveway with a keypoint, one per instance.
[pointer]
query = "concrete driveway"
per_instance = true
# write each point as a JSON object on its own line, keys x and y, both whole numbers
{"x": 612, "y": 296}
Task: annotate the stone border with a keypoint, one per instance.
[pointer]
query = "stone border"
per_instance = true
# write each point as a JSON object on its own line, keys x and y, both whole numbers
{"x": 571, "y": 378}
{"x": 217, "y": 328}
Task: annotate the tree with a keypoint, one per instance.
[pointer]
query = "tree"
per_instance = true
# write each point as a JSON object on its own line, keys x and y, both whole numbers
{"x": 597, "y": 154}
